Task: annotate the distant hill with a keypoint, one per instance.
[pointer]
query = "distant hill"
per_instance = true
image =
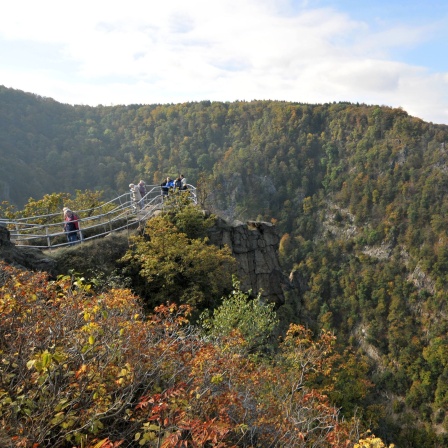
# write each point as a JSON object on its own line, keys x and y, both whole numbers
{"x": 358, "y": 193}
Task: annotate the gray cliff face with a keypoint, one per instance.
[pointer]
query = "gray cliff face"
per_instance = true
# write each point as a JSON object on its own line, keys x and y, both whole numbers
{"x": 255, "y": 248}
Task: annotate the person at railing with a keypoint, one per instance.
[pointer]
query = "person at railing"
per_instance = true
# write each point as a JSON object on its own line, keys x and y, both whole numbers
{"x": 142, "y": 189}
{"x": 184, "y": 182}
{"x": 166, "y": 185}
{"x": 71, "y": 226}
{"x": 169, "y": 182}
{"x": 178, "y": 183}
{"x": 164, "y": 189}
{"x": 135, "y": 196}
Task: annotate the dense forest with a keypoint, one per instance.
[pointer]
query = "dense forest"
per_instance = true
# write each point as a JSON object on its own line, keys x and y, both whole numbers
{"x": 357, "y": 193}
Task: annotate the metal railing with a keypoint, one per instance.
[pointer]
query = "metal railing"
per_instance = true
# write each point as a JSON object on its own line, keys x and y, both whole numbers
{"x": 118, "y": 214}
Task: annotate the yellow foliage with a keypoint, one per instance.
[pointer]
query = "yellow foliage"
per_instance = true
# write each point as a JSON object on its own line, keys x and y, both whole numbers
{"x": 372, "y": 442}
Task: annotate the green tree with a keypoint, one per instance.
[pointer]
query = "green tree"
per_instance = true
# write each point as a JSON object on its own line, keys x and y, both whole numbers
{"x": 177, "y": 268}
{"x": 186, "y": 216}
{"x": 254, "y": 319}
{"x": 49, "y": 204}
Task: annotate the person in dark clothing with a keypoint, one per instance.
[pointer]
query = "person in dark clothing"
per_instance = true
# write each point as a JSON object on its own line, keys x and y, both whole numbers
{"x": 178, "y": 183}
{"x": 71, "y": 226}
{"x": 165, "y": 188}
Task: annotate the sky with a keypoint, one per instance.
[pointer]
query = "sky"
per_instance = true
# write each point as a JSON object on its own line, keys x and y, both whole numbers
{"x": 378, "y": 52}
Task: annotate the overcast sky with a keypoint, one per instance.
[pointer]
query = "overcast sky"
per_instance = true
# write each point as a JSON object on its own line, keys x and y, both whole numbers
{"x": 94, "y": 52}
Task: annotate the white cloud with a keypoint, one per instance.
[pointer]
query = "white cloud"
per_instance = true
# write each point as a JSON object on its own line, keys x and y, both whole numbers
{"x": 173, "y": 51}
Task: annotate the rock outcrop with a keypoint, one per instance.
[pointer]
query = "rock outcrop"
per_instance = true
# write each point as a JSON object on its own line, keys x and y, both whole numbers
{"x": 255, "y": 248}
{"x": 4, "y": 236}
{"x": 23, "y": 257}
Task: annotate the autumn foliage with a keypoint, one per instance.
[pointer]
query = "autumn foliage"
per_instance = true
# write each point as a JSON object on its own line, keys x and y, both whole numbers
{"x": 80, "y": 369}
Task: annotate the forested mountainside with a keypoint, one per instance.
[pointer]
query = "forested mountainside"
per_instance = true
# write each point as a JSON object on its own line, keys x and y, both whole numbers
{"x": 357, "y": 192}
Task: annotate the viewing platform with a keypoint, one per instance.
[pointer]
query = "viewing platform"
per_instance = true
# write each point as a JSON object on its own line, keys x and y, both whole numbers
{"x": 121, "y": 213}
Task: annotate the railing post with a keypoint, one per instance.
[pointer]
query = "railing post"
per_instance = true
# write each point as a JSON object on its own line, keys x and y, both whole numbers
{"x": 48, "y": 237}
{"x": 81, "y": 236}
{"x": 17, "y": 232}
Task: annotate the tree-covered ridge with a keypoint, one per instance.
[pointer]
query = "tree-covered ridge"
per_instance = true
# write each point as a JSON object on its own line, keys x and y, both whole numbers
{"x": 265, "y": 156}
{"x": 357, "y": 192}
{"x": 294, "y": 145}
